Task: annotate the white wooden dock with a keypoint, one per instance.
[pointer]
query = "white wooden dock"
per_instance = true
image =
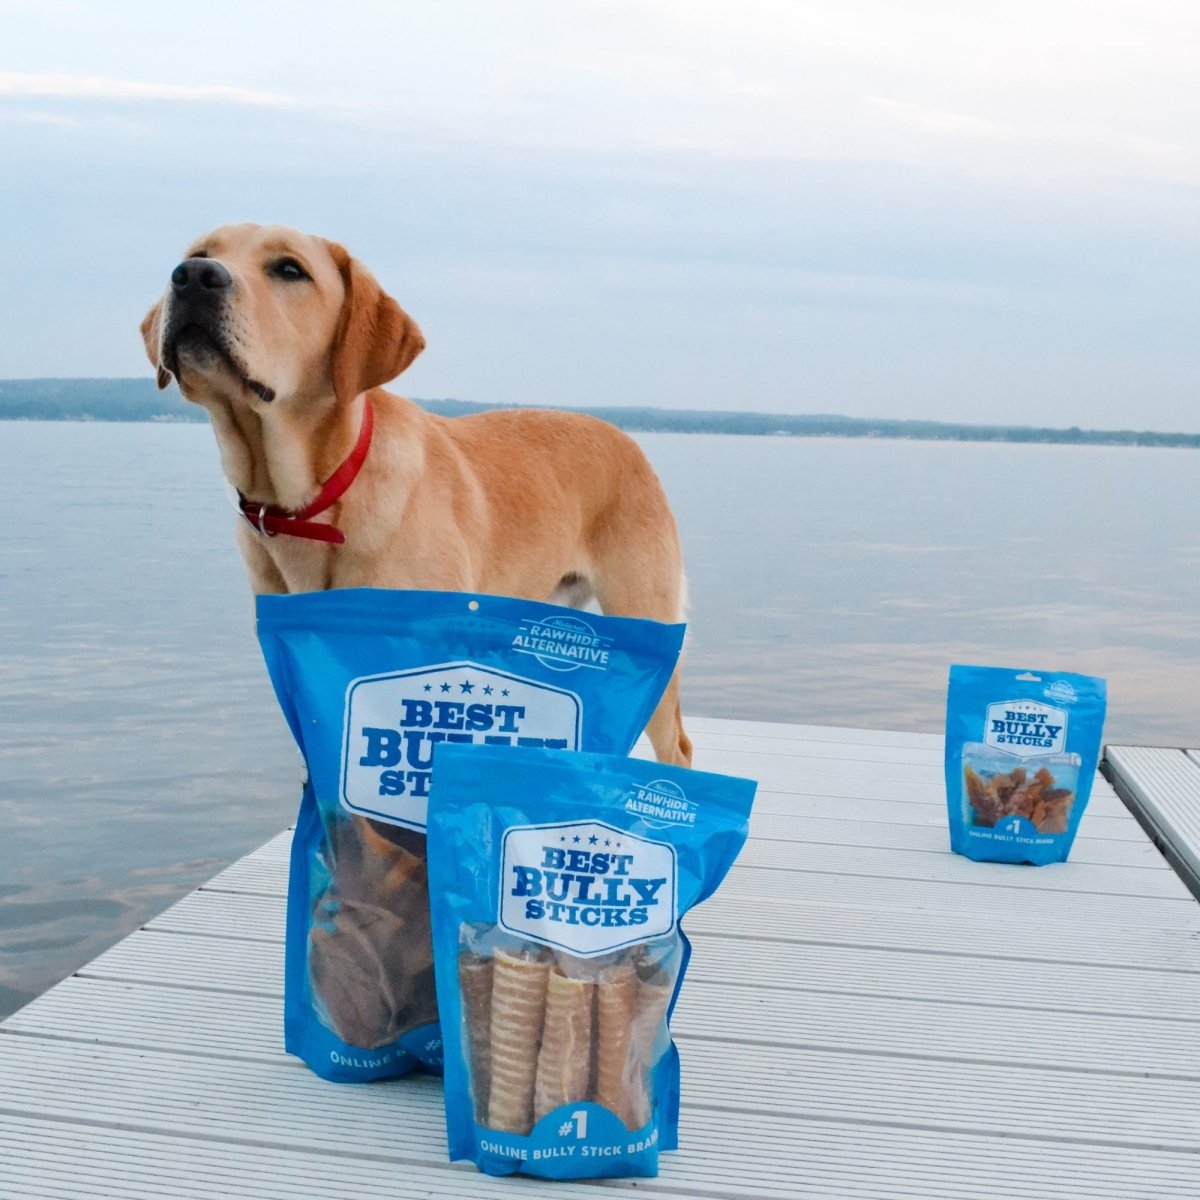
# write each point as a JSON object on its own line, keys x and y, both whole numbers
{"x": 866, "y": 1015}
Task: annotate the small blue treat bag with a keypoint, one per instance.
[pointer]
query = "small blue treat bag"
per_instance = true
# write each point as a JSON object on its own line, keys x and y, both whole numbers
{"x": 1021, "y": 754}
{"x": 557, "y": 883}
{"x": 370, "y": 682}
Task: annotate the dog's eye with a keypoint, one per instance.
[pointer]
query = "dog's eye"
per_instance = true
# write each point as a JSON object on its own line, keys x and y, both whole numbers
{"x": 289, "y": 269}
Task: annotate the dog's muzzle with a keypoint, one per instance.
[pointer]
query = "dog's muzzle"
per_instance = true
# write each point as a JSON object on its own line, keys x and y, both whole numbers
{"x": 195, "y": 311}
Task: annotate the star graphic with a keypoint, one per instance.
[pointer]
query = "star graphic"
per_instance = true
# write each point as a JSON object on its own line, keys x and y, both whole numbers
{"x": 593, "y": 840}
{"x": 467, "y": 688}
{"x": 504, "y": 691}
{"x": 445, "y": 687}
{"x": 575, "y": 838}
{"x": 608, "y": 841}
{"x": 563, "y": 838}
{"x": 487, "y": 691}
{"x": 429, "y": 687}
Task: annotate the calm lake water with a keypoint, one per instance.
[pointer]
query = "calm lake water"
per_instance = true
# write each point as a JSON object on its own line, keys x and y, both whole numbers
{"x": 832, "y": 582}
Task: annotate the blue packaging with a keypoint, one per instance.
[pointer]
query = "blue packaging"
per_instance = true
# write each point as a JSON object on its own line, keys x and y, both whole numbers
{"x": 557, "y": 883}
{"x": 370, "y": 681}
{"x": 1021, "y": 753}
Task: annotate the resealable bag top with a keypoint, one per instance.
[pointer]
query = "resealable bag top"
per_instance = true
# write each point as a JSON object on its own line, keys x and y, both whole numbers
{"x": 370, "y": 681}
{"x": 1021, "y": 753}
{"x": 557, "y": 883}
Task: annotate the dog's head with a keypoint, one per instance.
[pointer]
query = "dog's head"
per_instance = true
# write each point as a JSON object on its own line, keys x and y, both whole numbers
{"x": 263, "y": 315}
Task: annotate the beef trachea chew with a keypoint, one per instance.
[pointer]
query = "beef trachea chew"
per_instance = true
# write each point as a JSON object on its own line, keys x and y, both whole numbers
{"x": 565, "y": 1060}
{"x": 649, "y": 1018}
{"x": 518, "y": 1011}
{"x": 616, "y": 1001}
{"x": 475, "y": 981}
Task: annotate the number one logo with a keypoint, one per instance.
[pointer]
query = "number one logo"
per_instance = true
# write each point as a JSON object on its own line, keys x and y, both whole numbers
{"x": 580, "y": 1119}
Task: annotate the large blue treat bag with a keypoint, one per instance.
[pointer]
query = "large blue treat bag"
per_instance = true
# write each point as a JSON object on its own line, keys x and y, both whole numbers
{"x": 557, "y": 883}
{"x": 1021, "y": 753}
{"x": 370, "y": 681}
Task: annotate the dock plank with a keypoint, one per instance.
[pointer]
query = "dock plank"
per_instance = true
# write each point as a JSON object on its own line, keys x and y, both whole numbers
{"x": 1037, "y": 904}
{"x": 285, "y": 1106}
{"x": 255, "y": 916}
{"x": 240, "y": 1019}
{"x": 907, "y": 1165}
{"x": 788, "y": 966}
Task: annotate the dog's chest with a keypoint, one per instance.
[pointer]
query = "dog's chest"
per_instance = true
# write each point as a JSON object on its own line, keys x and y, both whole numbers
{"x": 305, "y": 566}
{"x": 286, "y": 564}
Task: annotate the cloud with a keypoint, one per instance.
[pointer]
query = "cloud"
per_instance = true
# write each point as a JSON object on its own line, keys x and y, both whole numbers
{"x": 938, "y": 120}
{"x": 32, "y": 117}
{"x": 104, "y": 87}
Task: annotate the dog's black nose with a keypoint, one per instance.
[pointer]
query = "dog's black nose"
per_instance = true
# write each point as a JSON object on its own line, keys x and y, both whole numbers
{"x": 200, "y": 273}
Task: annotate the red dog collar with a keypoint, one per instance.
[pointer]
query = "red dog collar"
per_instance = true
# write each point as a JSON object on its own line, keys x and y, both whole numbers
{"x": 270, "y": 520}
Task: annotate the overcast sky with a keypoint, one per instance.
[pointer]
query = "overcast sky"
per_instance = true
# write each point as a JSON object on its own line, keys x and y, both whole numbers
{"x": 949, "y": 210}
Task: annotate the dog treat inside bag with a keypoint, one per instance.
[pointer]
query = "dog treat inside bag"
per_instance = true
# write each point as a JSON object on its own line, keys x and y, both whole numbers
{"x": 557, "y": 883}
{"x": 370, "y": 682}
{"x": 1021, "y": 753}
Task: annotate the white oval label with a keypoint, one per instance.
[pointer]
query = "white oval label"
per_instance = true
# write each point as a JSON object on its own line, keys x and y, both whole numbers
{"x": 1025, "y": 728}
{"x": 394, "y": 721}
{"x": 586, "y": 887}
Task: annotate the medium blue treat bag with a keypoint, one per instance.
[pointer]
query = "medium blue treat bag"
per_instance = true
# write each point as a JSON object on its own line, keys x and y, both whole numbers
{"x": 370, "y": 682}
{"x": 1021, "y": 754}
{"x": 557, "y": 883}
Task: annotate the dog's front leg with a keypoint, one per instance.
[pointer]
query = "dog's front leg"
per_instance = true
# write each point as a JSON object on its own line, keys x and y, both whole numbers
{"x": 264, "y": 576}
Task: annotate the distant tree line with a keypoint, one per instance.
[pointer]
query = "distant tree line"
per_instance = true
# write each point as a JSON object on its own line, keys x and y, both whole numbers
{"x": 140, "y": 400}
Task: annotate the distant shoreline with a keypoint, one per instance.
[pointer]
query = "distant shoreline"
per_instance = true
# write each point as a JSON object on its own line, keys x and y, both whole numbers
{"x": 137, "y": 400}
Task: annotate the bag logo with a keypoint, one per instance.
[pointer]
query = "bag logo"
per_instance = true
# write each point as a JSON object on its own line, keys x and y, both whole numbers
{"x": 393, "y": 722}
{"x": 661, "y": 802}
{"x": 1025, "y": 728}
{"x": 586, "y": 887}
{"x": 563, "y": 643}
{"x": 1062, "y": 691}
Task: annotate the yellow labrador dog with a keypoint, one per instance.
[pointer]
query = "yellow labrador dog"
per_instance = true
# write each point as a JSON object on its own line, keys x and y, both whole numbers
{"x": 285, "y": 339}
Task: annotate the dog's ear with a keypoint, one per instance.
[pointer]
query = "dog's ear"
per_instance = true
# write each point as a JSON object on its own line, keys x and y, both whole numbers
{"x": 152, "y": 337}
{"x": 376, "y": 339}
